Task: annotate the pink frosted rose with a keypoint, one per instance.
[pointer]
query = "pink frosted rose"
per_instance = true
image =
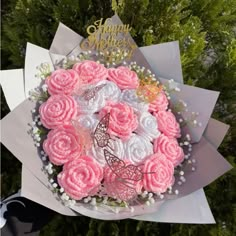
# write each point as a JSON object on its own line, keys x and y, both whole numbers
{"x": 90, "y": 72}
{"x": 81, "y": 177}
{"x": 168, "y": 124}
{"x": 123, "y": 77}
{"x": 115, "y": 187}
{"x": 159, "y": 104}
{"x": 62, "y": 145}
{"x": 159, "y": 173}
{"x": 170, "y": 148}
{"x": 123, "y": 120}
{"x": 57, "y": 110}
{"x": 62, "y": 82}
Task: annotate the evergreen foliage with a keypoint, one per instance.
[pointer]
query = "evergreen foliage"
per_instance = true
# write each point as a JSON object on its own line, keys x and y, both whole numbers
{"x": 206, "y": 31}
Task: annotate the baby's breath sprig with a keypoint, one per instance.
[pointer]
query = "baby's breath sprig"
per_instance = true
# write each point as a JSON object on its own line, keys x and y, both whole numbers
{"x": 114, "y": 57}
{"x": 38, "y": 95}
{"x": 37, "y": 131}
{"x": 88, "y": 55}
{"x": 188, "y": 164}
{"x": 67, "y": 63}
{"x": 179, "y": 107}
{"x": 149, "y": 87}
{"x": 147, "y": 197}
{"x": 109, "y": 58}
{"x": 53, "y": 170}
{"x": 66, "y": 200}
{"x": 171, "y": 86}
{"x": 44, "y": 70}
{"x": 190, "y": 120}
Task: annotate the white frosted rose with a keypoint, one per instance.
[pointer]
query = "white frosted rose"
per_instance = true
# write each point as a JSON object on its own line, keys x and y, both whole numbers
{"x": 88, "y": 121}
{"x": 137, "y": 148}
{"x": 98, "y": 153}
{"x": 110, "y": 91}
{"x": 147, "y": 126}
{"x": 131, "y": 98}
{"x": 90, "y": 106}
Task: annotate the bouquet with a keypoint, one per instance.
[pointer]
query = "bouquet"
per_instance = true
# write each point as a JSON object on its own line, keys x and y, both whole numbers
{"x": 109, "y": 137}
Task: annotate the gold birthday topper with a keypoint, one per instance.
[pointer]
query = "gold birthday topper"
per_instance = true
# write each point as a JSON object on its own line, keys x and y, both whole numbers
{"x": 106, "y": 37}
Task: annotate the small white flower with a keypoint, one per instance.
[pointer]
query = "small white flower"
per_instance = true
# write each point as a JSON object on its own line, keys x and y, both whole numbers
{"x": 117, "y": 210}
{"x": 35, "y": 130}
{"x": 152, "y": 200}
{"x": 45, "y": 87}
{"x": 93, "y": 202}
{"x": 150, "y": 195}
{"x": 147, "y": 203}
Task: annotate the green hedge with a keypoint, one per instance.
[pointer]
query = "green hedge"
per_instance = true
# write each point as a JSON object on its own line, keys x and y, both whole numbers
{"x": 206, "y": 32}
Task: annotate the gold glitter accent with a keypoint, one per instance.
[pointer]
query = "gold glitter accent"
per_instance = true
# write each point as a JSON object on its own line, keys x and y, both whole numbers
{"x": 148, "y": 90}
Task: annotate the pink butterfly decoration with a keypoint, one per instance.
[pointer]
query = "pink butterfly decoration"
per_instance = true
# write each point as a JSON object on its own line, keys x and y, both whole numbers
{"x": 123, "y": 171}
{"x": 120, "y": 190}
{"x": 88, "y": 94}
{"x": 124, "y": 186}
{"x": 100, "y": 134}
